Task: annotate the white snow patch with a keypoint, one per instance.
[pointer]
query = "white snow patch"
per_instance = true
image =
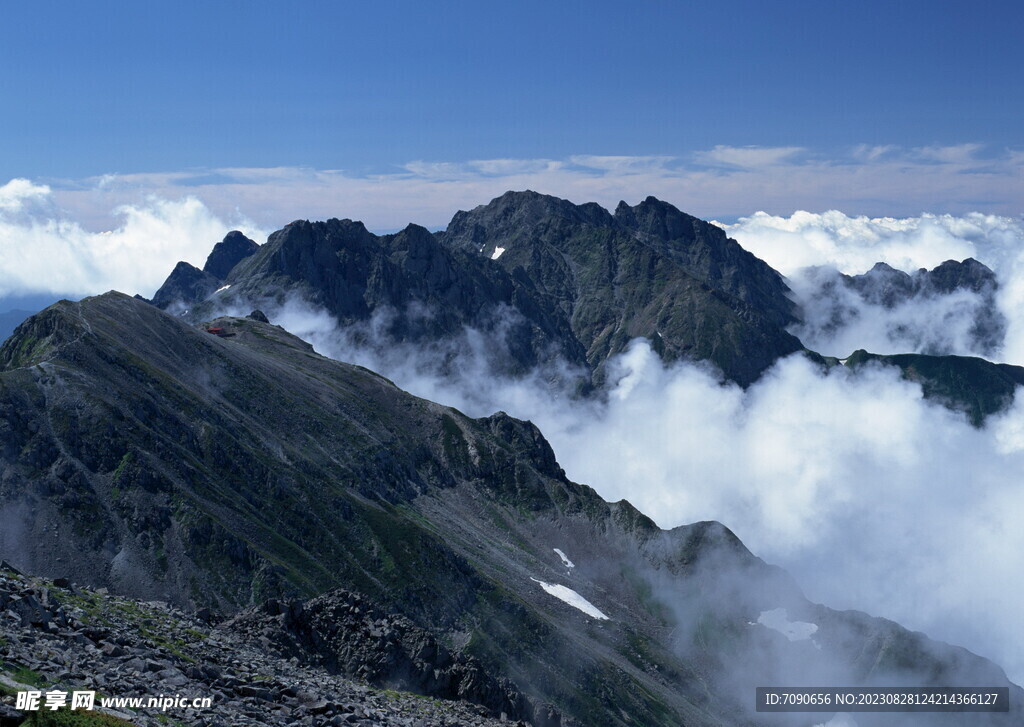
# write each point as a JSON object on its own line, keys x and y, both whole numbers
{"x": 572, "y": 598}
{"x": 777, "y": 620}
{"x": 565, "y": 560}
{"x": 497, "y": 253}
{"x": 222, "y": 288}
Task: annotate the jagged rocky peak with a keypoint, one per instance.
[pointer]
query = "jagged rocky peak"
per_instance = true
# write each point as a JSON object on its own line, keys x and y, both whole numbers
{"x": 529, "y": 205}
{"x": 519, "y": 216}
{"x": 545, "y": 278}
{"x": 427, "y": 290}
{"x": 309, "y": 251}
{"x": 420, "y": 252}
{"x": 883, "y": 285}
{"x": 705, "y": 251}
{"x": 520, "y": 222}
{"x": 647, "y": 271}
{"x": 529, "y": 215}
{"x": 227, "y": 253}
{"x": 187, "y": 284}
{"x": 887, "y": 286}
{"x": 973, "y": 282}
{"x": 415, "y": 240}
{"x": 664, "y": 221}
{"x": 968, "y": 274}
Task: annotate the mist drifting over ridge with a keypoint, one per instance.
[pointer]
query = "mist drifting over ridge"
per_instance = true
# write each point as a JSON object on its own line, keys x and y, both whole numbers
{"x": 871, "y": 496}
{"x": 808, "y": 248}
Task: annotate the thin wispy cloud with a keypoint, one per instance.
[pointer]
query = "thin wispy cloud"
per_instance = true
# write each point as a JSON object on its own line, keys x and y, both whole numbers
{"x": 956, "y": 155}
{"x": 870, "y": 153}
{"x": 726, "y": 182}
{"x": 623, "y": 164}
{"x": 749, "y": 157}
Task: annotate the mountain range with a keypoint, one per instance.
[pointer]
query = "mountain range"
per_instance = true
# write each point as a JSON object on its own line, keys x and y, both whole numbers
{"x": 167, "y": 452}
{"x": 569, "y": 286}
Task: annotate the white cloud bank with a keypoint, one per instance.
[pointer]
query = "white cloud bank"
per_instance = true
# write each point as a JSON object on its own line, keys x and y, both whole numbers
{"x": 853, "y": 244}
{"x": 44, "y": 249}
{"x": 871, "y": 496}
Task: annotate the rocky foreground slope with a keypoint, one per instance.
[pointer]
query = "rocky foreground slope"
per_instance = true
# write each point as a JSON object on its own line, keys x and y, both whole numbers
{"x": 225, "y": 471}
{"x": 60, "y": 636}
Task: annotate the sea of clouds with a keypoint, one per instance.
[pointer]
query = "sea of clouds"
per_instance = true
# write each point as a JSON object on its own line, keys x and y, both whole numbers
{"x": 872, "y": 497}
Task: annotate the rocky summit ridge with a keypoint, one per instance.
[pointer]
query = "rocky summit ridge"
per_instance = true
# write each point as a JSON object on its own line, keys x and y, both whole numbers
{"x": 561, "y": 288}
{"x": 550, "y": 278}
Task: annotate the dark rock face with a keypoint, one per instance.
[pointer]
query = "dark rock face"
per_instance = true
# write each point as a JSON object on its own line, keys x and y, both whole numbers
{"x": 227, "y": 253}
{"x": 346, "y": 634}
{"x": 966, "y": 275}
{"x": 73, "y": 638}
{"x": 649, "y": 270}
{"x": 429, "y": 291}
{"x": 883, "y": 285}
{"x": 186, "y": 284}
{"x": 704, "y": 251}
{"x": 548, "y": 280}
{"x": 886, "y": 286}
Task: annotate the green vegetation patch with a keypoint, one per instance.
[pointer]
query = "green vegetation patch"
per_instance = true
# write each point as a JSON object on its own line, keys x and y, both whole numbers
{"x": 25, "y": 675}
{"x": 75, "y": 718}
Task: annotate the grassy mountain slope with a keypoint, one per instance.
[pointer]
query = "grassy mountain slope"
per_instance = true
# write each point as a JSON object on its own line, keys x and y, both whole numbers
{"x": 152, "y": 457}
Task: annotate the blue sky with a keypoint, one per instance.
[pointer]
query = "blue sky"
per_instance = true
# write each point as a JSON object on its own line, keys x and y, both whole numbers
{"x": 104, "y": 87}
{"x": 167, "y": 124}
